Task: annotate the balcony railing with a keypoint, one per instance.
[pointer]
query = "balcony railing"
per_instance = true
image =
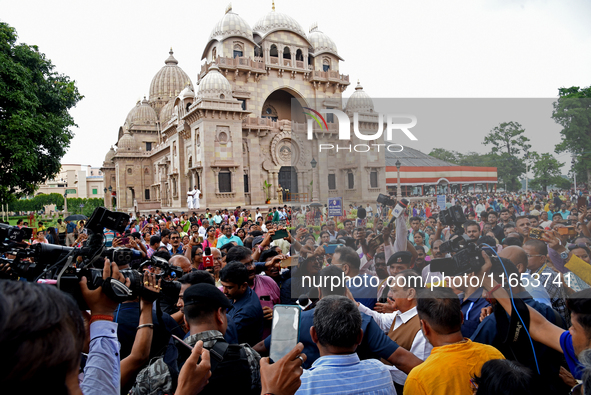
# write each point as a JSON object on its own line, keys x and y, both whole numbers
{"x": 258, "y": 64}
{"x": 317, "y": 75}
{"x": 259, "y": 121}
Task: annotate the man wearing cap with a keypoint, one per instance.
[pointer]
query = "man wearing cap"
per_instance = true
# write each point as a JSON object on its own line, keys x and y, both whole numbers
{"x": 205, "y": 316}
{"x": 246, "y": 311}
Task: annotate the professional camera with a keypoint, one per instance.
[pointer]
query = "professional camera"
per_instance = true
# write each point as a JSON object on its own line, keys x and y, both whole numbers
{"x": 466, "y": 256}
{"x": 386, "y": 200}
{"x": 452, "y": 216}
{"x": 14, "y": 234}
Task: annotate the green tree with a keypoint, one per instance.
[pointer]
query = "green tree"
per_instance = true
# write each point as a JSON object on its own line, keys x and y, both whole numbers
{"x": 546, "y": 171}
{"x": 445, "y": 155}
{"x": 34, "y": 120}
{"x": 572, "y": 110}
{"x": 508, "y": 148}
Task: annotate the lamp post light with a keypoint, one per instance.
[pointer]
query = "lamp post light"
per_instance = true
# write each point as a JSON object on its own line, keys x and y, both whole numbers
{"x": 110, "y": 197}
{"x": 314, "y": 181}
{"x": 398, "y": 189}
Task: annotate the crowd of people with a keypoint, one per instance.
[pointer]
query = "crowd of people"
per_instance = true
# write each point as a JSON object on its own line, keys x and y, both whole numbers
{"x": 510, "y": 313}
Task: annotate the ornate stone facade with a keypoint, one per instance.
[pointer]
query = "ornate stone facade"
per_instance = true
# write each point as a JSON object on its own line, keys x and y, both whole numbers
{"x": 235, "y": 131}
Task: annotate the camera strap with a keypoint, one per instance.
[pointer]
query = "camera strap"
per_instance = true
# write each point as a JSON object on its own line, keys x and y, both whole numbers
{"x": 511, "y": 333}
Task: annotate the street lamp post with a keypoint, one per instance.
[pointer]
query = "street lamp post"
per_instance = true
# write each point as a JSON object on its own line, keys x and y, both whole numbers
{"x": 314, "y": 181}
{"x": 111, "y": 196}
{"x": 398, "y": 189}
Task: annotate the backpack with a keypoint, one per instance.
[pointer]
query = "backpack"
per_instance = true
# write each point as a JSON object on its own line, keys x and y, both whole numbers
{"x": 160, "y": 377}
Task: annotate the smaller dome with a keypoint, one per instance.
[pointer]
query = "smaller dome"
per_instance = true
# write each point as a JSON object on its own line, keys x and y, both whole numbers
{"x": 187, "y": 92}
{"x": 141, "y": 114}
{"x": 230, "y": 25}
{"x": 359, "y": 101}
{"x": 321, "y": 42}
{"x": 127, "y": 143}
{"x": 275, "y": 21}
{"x": 110, "y": 155}
{"x": 214, "y": 85}
{"x": 166, "y": 112}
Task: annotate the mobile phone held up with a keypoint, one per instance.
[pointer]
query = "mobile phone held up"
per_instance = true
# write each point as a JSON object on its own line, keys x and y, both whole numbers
{"x": 285, "y": 330}
{"x": 280, "y": 234}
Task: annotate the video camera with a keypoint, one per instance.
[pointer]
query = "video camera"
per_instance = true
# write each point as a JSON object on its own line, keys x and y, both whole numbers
{"x": 466, "y": 256}
{"x": 14, "y": 234}
{"x": 65, "y": 266}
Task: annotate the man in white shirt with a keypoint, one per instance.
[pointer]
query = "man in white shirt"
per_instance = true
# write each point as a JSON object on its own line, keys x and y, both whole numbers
{"x": 257, "y": 215}
{"x": 190, "y": 196}
{"x": 369, "y": 211}
{"x": 403, "y": 326}
{"x": 196, "y": 198}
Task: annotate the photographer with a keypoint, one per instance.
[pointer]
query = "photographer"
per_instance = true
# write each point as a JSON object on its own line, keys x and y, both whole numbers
{"x": 42, "y": 336}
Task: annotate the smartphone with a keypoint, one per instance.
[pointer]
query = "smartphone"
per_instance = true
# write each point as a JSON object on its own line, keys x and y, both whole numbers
{"x": 329, "y": 249}
{"x": 124, "y": 240}
{"x": 567, "y": 230}
{"x": 380, "y": 239}
{"x": 285, "y": 330}
{"x": 286, "y": 262}
{"x": 280, "y": 234}
{"x": 536, "y": 233}
{"x": 581, "y": 202}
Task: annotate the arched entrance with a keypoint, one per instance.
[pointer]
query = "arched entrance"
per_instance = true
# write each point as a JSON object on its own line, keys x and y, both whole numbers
{"x": 288, "y": 180}
{"x": 279, "y": 105}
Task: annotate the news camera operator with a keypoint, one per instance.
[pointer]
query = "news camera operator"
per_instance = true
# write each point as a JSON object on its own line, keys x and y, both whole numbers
{"x": 42, "y": 335}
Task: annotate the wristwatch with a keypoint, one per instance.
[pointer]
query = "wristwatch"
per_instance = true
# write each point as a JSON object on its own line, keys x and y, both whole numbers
{"x": 564, "y": 255}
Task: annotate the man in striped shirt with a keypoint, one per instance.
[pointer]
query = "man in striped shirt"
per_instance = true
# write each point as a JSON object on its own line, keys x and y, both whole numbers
{"x": 337, "y": 333}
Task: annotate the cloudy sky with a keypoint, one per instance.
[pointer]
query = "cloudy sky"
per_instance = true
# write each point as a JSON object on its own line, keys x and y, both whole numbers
{"x": 398, "y": 49}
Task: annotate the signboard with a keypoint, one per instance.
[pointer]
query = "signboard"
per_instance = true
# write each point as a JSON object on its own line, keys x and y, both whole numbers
{"x": 335, "y": 207}
{"x": 441, "y": 201}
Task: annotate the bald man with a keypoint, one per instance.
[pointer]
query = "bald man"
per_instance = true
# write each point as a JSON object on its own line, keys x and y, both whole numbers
{"x": 518, "y": 256}
{"x": 181, "y": 261}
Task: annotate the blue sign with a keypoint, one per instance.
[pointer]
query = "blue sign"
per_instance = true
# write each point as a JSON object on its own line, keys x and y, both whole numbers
{"x": 441, "y": 201}
{"x": 335, "y": 207}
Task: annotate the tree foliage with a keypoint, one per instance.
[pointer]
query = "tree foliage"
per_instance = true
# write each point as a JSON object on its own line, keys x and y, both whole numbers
{"x": 38, "y": 202}
{"x": 509, "y": 146}
{"x": 445, "y": 155}
{"x": 546, "y": 171}
{"x": 34, "y": 120}
{"x": 572, "y": 111}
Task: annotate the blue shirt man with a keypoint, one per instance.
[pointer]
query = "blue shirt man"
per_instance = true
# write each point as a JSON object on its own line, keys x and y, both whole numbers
{"x": 363, "y": 287}
{"x": 228, "y": 237}
{"x": 337, "y": 333}
{"x": 246, "y": 311}
{"x": 71, "y": 227}
{"x": 225, "y": 240}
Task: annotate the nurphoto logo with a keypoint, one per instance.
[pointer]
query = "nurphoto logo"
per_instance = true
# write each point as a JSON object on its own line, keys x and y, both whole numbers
{"x": 392, "y": 123}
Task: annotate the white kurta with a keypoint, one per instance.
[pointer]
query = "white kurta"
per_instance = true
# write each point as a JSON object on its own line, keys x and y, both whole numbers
{"x": 190, "y": 199}
{"x": 196, "y": 198}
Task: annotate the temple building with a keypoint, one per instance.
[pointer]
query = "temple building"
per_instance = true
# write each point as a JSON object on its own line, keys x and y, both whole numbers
{"x": 239, "y": 128}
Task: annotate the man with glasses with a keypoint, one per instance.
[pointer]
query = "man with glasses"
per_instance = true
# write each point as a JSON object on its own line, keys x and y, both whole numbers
{"x": 175, "y": 243}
